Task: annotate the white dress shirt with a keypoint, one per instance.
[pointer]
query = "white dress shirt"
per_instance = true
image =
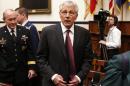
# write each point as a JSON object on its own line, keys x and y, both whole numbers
{"x": 113, "y": 39}
{"x": 71, "y": 33}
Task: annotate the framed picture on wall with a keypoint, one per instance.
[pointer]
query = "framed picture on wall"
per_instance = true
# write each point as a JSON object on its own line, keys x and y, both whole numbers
{"x": 36, "y": 6}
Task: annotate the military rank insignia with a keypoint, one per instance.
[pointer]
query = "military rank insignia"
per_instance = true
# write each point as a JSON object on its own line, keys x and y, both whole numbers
{"x": 24, "y": 39}
{"x": 24, "y": 42}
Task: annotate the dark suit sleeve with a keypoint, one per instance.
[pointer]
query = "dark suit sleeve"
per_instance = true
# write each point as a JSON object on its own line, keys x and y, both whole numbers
{"x": 87, "y": 56}
{"x": 88, "y": 49}
{"x": 113, "y": 72}
{"x": 43, "y": 55}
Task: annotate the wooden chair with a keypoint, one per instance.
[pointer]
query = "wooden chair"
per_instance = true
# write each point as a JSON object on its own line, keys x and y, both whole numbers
{"x": 98, "y": 66}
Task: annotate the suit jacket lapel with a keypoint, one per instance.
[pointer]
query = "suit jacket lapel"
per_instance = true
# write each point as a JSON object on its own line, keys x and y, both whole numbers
{"x": 7, "y": 33}
{"x": 60, "y": 39}
{"x": 18, "y": 32}
{"x": 76, "y": 37}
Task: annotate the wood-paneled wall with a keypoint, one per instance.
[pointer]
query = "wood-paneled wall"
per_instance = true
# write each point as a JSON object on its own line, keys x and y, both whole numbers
{"x": 125, "y": 38}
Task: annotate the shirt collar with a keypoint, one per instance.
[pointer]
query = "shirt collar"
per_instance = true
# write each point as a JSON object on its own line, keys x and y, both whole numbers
{"x": 112, "y": 27}
{"x": 9, "y": 29}
{"x": 64, "y": 28}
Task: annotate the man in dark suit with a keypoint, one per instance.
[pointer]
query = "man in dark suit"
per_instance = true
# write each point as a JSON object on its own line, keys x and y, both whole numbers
{"x": 17, "y": 62}
{"x": 118, "y": 71}
{"x": 54, "y": 58}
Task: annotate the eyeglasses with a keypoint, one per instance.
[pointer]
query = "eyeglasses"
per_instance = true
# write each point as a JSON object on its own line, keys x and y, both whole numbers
{"x": 71, "y": 13}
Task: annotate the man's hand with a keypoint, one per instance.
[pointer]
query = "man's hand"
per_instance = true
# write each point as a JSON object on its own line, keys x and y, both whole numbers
{"x": 73, "y": 82}
{"x": 59, "y": 81}
{"x": 31, "y": 74}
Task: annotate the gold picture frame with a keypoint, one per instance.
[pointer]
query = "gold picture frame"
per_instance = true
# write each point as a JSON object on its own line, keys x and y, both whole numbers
{"x": 36, "y": 6}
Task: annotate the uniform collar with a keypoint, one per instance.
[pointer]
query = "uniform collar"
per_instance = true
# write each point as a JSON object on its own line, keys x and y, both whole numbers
{"x": 24, "y": 23}
{"x": 9, "y": 29}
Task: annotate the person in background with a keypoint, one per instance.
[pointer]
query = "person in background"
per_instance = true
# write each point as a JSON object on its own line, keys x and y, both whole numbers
{"x": 113, "y": 39}
{"x": 117, "y": 71}
{"x": 17, "y": 61}
{"x": 64, "y": 50}
{"x": 23, "y": 20}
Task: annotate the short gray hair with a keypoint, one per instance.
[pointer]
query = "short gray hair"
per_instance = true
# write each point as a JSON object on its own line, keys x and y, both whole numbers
{"x": 7, "y": 12}
{"x": 70, "y": 3}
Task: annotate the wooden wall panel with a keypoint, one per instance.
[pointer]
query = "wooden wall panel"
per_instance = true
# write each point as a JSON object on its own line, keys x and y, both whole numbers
{"x": 123, "y": 26}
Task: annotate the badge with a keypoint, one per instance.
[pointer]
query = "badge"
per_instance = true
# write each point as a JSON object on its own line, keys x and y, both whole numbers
{"x": 24, "y": 42}
{"x": 2, "y": 42}
{"x": 24, "y": 39}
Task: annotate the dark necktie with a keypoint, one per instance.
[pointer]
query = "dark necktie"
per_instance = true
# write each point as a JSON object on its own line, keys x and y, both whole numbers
{"x": 12, "y": 34}
{"x": 70, "y": 54}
